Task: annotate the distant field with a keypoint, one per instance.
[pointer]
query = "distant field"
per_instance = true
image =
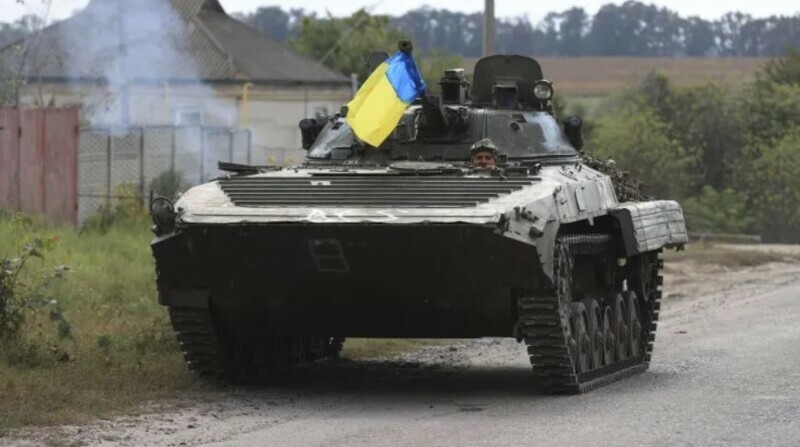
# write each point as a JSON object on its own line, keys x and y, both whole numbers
{"x": 604, "y": 75}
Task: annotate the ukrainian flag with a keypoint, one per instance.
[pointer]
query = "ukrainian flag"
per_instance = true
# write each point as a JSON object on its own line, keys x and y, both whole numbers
{"x": 380, "y": 102}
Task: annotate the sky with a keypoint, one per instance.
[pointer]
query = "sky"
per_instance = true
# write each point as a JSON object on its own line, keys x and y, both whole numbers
{"x": 11, "y": 10}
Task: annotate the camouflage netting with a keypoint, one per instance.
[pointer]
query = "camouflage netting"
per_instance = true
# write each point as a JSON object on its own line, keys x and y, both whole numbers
{"x": 627, "y": 186}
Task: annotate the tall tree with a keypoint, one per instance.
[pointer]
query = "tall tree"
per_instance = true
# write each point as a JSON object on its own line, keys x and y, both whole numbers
{"x": 608, "y": 35}
{"x": 342, "y": 43}
{"x": 23, "y": 27}
{"x": 572, "y": 32}
{"x": 632, "y": 28}
{"x": 440, "y": 29}
{"x": 699, "y": 37}
{"x": 783, "y": 70}
{"x": 275, "y": 22}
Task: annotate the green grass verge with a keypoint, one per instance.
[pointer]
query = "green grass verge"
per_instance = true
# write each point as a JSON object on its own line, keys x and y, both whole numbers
{"x": 122, "y": 352}
{"x": 366, "y": 348}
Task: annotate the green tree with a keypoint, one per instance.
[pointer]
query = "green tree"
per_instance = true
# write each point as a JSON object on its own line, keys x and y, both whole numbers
{"x": 275, "y": 22}
{"x": 770, "y": 109}
{"x": 433, "y": 64}
{"x": 341, "y": 44}
{"x": 773, "y": 186}
{"x": 718, "y": 211}
{"x": 783, "y": 70}
{"x": 639, "y": 142}
{"x": 709, "y": 123}
{"x": 7, "y": 86}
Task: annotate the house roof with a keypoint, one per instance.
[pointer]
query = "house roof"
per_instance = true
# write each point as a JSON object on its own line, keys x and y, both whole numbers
{"x": 157, "y": 40}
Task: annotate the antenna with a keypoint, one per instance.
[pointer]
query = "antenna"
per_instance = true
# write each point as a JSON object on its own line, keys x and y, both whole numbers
{"x": 488, "y": 28}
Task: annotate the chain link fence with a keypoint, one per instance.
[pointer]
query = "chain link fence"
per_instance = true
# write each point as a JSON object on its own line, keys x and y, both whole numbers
{"x": 109, "y": 157}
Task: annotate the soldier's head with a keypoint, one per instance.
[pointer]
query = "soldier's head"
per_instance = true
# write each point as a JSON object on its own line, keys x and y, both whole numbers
{"x": 483, "y": 154}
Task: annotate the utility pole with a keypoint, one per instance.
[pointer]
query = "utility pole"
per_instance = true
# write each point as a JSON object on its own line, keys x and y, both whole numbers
{"x": 489, "y": 30}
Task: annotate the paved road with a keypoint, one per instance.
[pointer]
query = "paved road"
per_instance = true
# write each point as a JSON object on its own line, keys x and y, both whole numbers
{"x": 726, "y": 371}
{"x": 733, "y": 378}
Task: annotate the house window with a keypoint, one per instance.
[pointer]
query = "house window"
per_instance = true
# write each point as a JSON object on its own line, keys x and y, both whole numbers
{"x": 188, "y": 117}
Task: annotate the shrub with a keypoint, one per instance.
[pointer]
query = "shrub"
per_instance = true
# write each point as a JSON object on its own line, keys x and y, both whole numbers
{"x": 126, "y": 209}
{"x": 638, "y": 140}
{"x": 168, "y": 184}
{"x": 718, "y": 211}
{"x": 771, "y": 181}
{"x": 19, "y": 297}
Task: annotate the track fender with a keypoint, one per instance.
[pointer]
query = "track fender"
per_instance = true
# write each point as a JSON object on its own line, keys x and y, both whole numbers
{"x": 648, "y": 226}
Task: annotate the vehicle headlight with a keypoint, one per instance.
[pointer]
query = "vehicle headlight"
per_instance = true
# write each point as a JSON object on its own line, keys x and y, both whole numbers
{"x": 543, "y": 90}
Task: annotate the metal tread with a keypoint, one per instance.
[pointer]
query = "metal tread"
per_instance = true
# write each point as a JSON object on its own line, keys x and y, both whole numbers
{"x": 208, "y": 356}
{"x": 544, "y": 328}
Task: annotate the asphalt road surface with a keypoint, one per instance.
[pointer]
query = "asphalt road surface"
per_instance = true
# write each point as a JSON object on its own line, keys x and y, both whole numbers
{"x": 725, "y": 371}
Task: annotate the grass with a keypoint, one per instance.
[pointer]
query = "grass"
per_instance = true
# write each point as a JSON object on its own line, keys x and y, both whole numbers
{"x": 366, "y": 348}
{"x": 728, "y": 257}
{"x": 122, "y": 352}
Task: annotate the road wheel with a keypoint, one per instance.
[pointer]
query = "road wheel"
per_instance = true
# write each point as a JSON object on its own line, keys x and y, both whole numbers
{"x": 634, "y": 323}
{"x": 621, "y": 334}
{"x": 607, "y": 330}
{"x": 581, "y": 340}
{"x": 595, "y": 330}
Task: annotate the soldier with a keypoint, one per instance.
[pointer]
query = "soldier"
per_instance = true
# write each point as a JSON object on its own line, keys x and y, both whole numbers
{"x": 484, "y": 154}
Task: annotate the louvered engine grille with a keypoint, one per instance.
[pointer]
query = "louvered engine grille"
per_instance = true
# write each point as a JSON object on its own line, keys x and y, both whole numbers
{"x": 367, "y": 191}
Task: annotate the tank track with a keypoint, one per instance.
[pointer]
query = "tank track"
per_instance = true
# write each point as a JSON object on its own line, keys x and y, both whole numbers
{"x": 208, "y": 356}
{"x": 544, "y": 324}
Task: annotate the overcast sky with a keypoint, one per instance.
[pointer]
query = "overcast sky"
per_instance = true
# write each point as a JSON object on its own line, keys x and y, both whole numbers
{"x": 534, "y": 9}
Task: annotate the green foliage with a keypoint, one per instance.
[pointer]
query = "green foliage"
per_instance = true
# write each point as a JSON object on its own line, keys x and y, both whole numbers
{"x": 433, "y": 64}
{"x": 709, "y": 122}
{"x": 22, "y": 295}
{"x": 639, "y": 142}
{"x": 125, "y": 209}
{"x": 655, "y": 92}
{"x": 769, "y": 109}
{"x": 630, "y": 28}
{"x": 559, "y": 106}
{"x": 8, "y": 86}
{"x": 729, "y": 153}
{"x": 773, "y": 185}
{"x": 784, "y": 70}
{"x": 725, "y": 211}
{"x": 342, "y": 43}
{"x": 122, "y": 350}
{"x": 168, "y": 184}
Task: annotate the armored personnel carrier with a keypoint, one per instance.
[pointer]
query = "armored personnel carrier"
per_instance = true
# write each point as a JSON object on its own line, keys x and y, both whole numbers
{"x": 268, "y": 267}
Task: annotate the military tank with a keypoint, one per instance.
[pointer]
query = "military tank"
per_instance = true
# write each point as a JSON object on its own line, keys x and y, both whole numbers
{"x": 269, "y": 267}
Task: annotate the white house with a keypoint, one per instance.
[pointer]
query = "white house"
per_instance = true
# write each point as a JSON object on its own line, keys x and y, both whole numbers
{"x": 176, "y": 62}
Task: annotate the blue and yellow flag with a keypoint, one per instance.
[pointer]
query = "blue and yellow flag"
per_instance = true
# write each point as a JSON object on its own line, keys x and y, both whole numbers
{"x": 380, "y": 102}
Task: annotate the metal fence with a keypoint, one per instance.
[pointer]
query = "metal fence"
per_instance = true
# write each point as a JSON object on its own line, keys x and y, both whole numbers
{"x": 134, "y": 156}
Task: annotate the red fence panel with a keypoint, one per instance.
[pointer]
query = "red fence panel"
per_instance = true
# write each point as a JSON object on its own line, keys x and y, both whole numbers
{"x": 39, "y": 162}
{"x": 61, "y": 165}
{"x": 9, "y": 159}
{"x": 32, "y": 161}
